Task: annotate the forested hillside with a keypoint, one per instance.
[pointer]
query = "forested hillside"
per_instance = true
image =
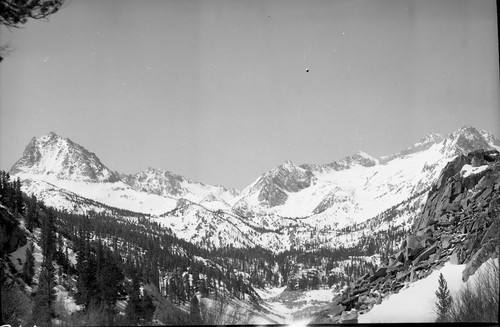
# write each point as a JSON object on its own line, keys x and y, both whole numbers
{"x": 122, "y": 267}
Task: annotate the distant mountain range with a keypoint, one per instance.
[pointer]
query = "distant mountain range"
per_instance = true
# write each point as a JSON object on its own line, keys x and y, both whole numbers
{"x": 279, "y": 210}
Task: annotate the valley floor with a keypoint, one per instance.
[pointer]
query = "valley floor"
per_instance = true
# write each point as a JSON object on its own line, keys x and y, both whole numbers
{"x": 291, "y": 307}
{"x": 413, "y": 304}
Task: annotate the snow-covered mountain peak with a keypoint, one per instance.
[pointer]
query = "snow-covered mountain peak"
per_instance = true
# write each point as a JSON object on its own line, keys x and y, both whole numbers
{"x": 287, "y": 167}
{"x": 52, "y": 155}
{"x": 271, "y": 187}
{"x": 423, "y": 144}
{"x": 361, "y": 155}
{"x": 491, "y": 139}
{"x": 360, "y": 158}
{"x": 429, "y": 139}
{"x": 464, "y": 140}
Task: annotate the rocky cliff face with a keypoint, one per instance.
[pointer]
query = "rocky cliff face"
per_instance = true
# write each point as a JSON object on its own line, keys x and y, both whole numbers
{"x": 455, "y": 189}
{"x": 157, "y": 182}
{"x": 460, "y": 223}
{"x": 273, "y": 185}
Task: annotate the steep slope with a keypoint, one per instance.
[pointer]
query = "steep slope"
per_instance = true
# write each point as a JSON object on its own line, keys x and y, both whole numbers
{"x": 460, "y": 224}
{"x": 272, "y": 188}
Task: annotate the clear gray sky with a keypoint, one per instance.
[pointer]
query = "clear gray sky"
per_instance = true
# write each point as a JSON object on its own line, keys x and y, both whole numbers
{"x": 218, "y": 91}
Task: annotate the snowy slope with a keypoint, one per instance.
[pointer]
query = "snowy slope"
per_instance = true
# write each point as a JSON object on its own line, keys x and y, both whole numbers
{"x": 358, "y": 187}
{"x": 416, "y": 302}
{"x": 74, "y": 196}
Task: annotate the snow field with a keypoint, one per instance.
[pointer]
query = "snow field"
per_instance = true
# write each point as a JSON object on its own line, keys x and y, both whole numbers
{"x": 416, "y": 303}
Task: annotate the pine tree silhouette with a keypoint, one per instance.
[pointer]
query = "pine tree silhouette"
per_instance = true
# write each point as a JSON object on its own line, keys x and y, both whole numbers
{"x": 443, "y": 303}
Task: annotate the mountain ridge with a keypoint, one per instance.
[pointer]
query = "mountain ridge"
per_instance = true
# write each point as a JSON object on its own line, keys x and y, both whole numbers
{"x": 289, "y": 198}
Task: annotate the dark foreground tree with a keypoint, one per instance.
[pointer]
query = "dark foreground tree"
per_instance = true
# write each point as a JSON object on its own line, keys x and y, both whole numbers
{"x": 29, "y": 266}
{"x": 14, "y": 13}
{"x": 195, "y": 310}
{"x": 45, "y": 295}
{"x": 479, "y": 300}
{"x": 443, "y": 303}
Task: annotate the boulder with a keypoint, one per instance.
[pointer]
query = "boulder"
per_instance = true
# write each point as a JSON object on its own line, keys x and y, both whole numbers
{"x": 360, "y": 291}
{"x": 446, "y": 241}
{"x": 413, "y": 253}
{"x": 350, "y": 317}
{"x": 424, "y": 255}
{"x": 335, "y": 310}
{"x": 452, "y": 207}
{"x": 413, "y": 242}
{"x": 381, "y": 272}
{"x": 402, "y": 275}
{"x": 492, "y": 231}
{"x": 476, "y": 162}
{"x": 349, "y": 301}
{"x": 337, "y": 299}
{"x": 476, "y": 261}
{"x": 481, "y": 256}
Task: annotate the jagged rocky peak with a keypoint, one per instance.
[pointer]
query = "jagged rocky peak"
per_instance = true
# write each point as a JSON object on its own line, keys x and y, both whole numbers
{"x": 360, "y": 158}
{"x": 52, "y": 155}
{"x": 157, "y": 181}
{"x": 491, "y": 139}
{"x": 465, "y": 140}
{"x": 289, "y": 177}
{"x": 272, "y": 186}
{"x": 425, "y": 142}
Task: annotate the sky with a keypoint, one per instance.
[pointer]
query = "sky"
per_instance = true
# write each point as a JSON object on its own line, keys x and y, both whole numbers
{"x": 222, "y": 91}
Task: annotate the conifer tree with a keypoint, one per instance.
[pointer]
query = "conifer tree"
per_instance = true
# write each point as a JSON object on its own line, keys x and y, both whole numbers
{"x": 133, "y": 303}
{"x": 18, "y": 197}
{"x": 148, "y": 308}
{"x": 48, "y": 234}
{"x": 29, "y": 266}
{"x": 86, "y": 267}
{"x": 109, "y": 280}
{"x": 45, "y": 295}
{"x": 194, "y": 309}
{"x": 31, "y": 213}
{"x": 444, "y": 300}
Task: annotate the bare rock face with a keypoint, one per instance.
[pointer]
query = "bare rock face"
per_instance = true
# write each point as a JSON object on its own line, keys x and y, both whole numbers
{"x": 156, "y": 181}
{"x": 445, "y": 196}
{"x": 335, "y": 196}
{"x": 467, "y": 139}
{"x": 273, "y": 195}
{"x": 273, "y": 185}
